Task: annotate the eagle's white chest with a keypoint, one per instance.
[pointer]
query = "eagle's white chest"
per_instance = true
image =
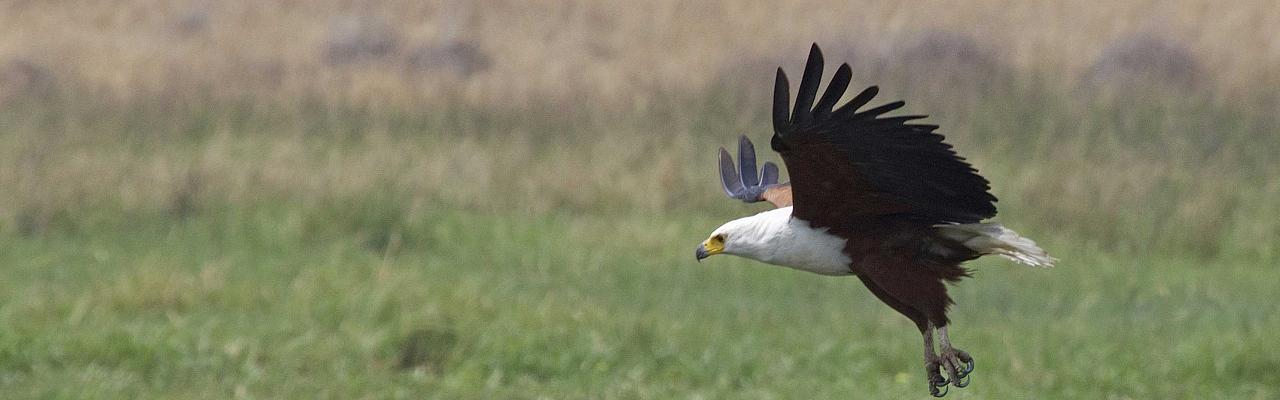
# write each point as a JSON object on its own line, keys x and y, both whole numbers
{"x": 782, "y": 240}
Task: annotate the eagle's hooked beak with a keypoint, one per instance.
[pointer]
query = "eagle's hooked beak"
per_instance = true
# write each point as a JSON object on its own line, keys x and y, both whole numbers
{"x": 709, "y": 247}
{"x": 701, "y": 253}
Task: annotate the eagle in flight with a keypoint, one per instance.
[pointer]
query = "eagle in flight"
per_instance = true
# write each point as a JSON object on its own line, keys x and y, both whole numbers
{"x": 881, "y": 198}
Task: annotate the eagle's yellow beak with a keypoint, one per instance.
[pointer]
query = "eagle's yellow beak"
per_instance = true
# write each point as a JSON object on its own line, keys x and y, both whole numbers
{"x": 710, "y": 247}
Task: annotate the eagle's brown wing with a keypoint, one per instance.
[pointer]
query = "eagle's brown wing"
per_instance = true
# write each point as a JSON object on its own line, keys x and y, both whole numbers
{"x": 846, "y": 163}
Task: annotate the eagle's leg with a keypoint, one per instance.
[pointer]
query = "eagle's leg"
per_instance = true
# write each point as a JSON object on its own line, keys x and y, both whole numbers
{"x": 957, "y": 362}
{"x": 932, "y": 363}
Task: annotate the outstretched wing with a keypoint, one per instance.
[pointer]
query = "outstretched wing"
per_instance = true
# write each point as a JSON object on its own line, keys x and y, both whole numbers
{"x": 846, "y": 163}
{"x": 741, "y": 182}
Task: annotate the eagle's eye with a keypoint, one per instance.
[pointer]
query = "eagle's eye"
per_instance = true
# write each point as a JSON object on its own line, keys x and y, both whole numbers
{"x": 718, "y": 238}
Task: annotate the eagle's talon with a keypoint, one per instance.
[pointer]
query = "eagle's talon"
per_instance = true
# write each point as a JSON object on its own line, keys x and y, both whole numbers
{"x": 939, "y": 381}
{"x": 933, "y": 390}
{"x": 936, "y": 380}
{"x": 958, "y": 365}
{"x": 963, "y": 371}
{"x": 967, "y": 359}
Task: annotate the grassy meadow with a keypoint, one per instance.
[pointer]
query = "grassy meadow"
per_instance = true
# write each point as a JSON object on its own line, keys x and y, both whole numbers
{"x": 499, "y": 199}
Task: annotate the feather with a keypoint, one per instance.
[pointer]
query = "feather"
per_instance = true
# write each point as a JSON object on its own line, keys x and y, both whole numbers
{"x": 808, "y": 88}
{"x": 858, "y": 101}
{"x": 729, "y": 175}
{"x": 747, "y": 162}
{"x": 769, "y": 174}
{"x": 993, "y": 238}
{"x": 876, "y": 112}
{"x": 835, "y": 90}
{"x": 781, "y": 101}
{"x": 852, "y": 162}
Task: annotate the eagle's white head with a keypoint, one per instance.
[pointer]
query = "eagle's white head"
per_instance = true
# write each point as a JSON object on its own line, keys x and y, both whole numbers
{"x": 748, "y": 237}
{"x": 774, "y": 237}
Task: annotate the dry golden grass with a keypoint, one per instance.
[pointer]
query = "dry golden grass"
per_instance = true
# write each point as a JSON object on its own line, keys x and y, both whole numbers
{"x": 608, "y": 52}
{"x": 593, "y": 105}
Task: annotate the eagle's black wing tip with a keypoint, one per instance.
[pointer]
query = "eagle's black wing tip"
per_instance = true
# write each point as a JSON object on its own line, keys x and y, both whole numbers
{"x": 781, "y": 103}
{"x": 835, "y": 90}
{"x": 808, "y": 90}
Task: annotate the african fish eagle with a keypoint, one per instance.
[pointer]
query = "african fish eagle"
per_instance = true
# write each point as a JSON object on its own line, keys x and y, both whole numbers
{"x": 880, "y": 198}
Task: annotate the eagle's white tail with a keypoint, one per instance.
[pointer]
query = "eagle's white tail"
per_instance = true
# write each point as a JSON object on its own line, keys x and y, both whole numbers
{"x": 993, "y": 238}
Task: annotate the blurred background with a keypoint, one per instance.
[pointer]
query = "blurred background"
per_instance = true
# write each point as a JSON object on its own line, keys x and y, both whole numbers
{"x": 499, "y": 199}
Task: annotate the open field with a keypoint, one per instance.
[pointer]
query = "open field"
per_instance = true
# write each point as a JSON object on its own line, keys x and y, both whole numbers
{"x": 256, "y": 303}
{"x": 404, "y": 200}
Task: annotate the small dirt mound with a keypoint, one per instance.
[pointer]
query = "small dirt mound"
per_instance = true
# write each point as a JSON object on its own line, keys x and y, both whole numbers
{"x": 1145, "y": 59}
{"x": 24, "y": 78}
{"x": 353, "y": 39}
{"x": 944, "y": 58}
{"x": 461, "y": 58}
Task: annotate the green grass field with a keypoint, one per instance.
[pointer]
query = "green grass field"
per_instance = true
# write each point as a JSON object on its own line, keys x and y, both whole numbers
{"x": 461, "y": 258}
{"x": 199, "y": 203}
{"x": 368, "y": 256}
{"x": 256, "y": 303}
